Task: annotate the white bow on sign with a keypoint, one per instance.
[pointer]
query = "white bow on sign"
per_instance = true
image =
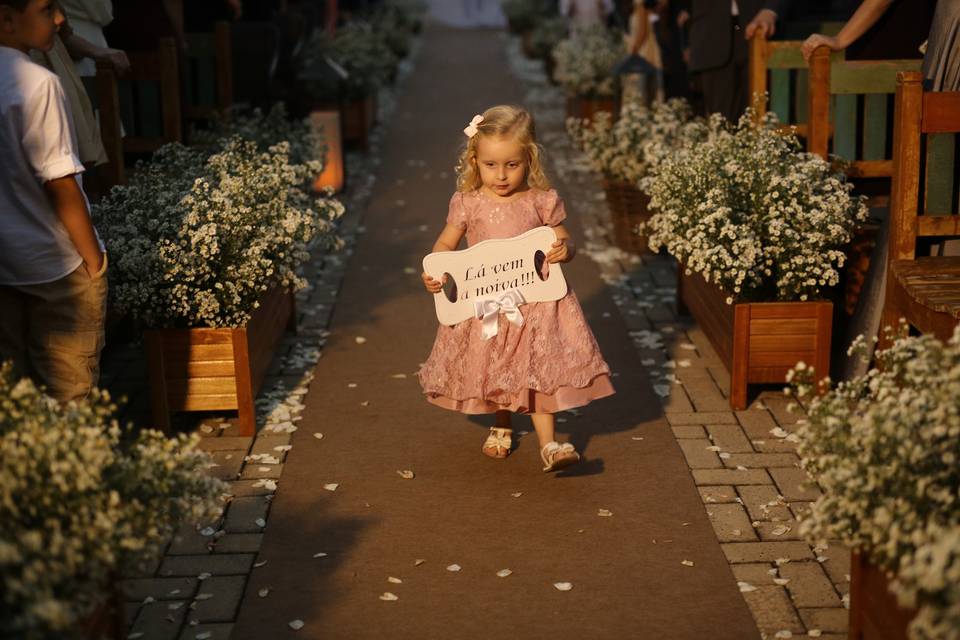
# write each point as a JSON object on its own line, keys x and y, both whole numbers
{"x": 488, "y": 310}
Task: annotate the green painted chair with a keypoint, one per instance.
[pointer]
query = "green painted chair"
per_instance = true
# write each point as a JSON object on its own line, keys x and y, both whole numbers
{"x": 777, "y": 68}
{"x": 208, "y": 73}
{"x": 850, "y": 111}
{"x": 146, "y": 101}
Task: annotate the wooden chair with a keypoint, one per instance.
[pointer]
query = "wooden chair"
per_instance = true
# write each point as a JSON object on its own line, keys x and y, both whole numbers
{"x": 849, "y": 111}
{"x": 208, "y": 76}
{"x": 147, "y": 102}
{"x": 924, "y": 204}
{"x": 777, "y": 68}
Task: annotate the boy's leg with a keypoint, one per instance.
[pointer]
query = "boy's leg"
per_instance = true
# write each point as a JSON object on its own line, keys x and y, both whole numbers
{"x": 13, "y": 329}
{"x": 66, "y": 335}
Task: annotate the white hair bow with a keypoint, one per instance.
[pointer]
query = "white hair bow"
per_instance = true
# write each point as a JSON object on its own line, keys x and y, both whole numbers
{"x": 471, "y": 129}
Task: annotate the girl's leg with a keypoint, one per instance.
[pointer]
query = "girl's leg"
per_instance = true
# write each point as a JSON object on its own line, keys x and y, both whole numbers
{"x": 502, "y": 419}
{"x": 543, "y": 423}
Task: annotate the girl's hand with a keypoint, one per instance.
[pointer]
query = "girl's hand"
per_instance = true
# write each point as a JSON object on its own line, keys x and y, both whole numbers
{"x": 560, "y": 252}
{"x": 432, "y": 285}
{"x": 818, "y": 40}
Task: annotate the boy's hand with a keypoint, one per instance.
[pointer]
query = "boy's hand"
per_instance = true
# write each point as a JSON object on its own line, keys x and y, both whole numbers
{"x": 432, "y": 285}
{"x": 560, "y": 252}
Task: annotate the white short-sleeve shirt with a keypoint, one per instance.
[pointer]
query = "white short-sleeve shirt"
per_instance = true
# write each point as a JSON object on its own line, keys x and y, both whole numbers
{"x": 37, "y": 144}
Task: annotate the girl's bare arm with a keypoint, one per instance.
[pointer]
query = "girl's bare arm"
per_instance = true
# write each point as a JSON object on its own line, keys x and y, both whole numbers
{"x": 448, "y": 240}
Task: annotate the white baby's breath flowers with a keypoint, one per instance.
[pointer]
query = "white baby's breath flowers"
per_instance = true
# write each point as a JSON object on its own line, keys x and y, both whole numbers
{"x": 626, "y": 150}
{"x": 586, "y": 59}
{"x": 195, "y": 239}
{"x": 748, "y": 211}
{"x": 81, "y": 502}
{"x": 884, "y": 449}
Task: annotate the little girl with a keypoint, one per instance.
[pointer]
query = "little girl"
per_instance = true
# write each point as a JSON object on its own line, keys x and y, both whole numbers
{"x": 550, "y": 362}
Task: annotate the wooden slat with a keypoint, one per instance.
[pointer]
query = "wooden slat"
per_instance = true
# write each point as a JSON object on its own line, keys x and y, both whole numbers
{"x": 212, "y": 385}
{"x": 870, "y": 169}
{"x": 941, "y": 112}
{"x": 850, "y": 77}
{"x": 938, "y": 225}
{"x": 202, "y": 368}
{"x": 782, "y": 342}
{"x": 782, "y": 326}
{"x": 767, "y": 374}
{"x": 741, "y": 356}
{"x": 875, "y": 125}
{"x": 904, "y": 192}
{"x": 845, "y": 126}
{"x": 780, "y": 93}
{"x": 785, "y": 54}
{"x": 207, "y": 402}
{"x": 779, "y": 358}
{"x": 785, "y": 310}
{"x": 802, "y": 96}
{"x": 939, "y": 182}
{"x": 818, "y": 112}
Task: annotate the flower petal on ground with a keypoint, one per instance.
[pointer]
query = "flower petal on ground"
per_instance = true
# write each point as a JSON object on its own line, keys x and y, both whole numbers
{"x": 454, "y": 567}
{"x": 296, "y": 625}
{"x": 503, "y": 573}
{"x": 389, "y": 597}
{"x": 563, "y": 586}
{"x": 331, "y": 486}
{"x": 406, "y": 474}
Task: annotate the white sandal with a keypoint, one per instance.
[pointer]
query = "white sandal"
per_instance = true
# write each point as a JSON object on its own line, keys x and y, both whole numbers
{"x": 557, "y": 456}
{"x": 499, "y": 442}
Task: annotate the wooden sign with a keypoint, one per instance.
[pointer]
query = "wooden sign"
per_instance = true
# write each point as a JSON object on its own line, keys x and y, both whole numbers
{"x": 492, "y": 273}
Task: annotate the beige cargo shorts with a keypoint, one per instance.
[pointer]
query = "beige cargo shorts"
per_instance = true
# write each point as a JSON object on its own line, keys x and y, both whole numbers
{"x": 54, "y": 331}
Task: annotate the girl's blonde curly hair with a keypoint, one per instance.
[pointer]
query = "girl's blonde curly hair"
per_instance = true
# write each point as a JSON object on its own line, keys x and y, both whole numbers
{"x": 503, "y": 121}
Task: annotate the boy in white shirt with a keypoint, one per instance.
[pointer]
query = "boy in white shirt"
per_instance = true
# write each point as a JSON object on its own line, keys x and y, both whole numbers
{"x": 53, "y": 283}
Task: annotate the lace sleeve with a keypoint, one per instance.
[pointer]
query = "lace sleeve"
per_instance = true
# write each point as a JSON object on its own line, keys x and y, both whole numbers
{"x": 550, "y": 207}
{"x": 457, "y": 215}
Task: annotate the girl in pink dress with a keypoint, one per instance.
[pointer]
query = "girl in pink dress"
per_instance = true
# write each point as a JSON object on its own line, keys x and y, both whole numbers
{"x": 549, "y": 363}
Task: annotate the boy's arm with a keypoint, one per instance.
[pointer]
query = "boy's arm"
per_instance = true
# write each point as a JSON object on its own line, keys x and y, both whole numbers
{"x": 71, "y": 208}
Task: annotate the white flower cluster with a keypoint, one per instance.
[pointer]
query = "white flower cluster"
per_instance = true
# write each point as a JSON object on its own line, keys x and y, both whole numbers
{"x": 194, "y": 240}
{"x": 641, "y": 137}
{"x": 77, "y": 506}
{"x": 885, "y": 449}
{"x": 306, "y": 142}
{"x": 751, "y": 213}
{"x": 586, "y": 59}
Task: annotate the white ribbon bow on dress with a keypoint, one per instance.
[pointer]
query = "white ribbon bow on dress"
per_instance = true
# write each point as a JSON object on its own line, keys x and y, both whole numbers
{"x": 487, "y": 311}
{"x": 471, "y": 129}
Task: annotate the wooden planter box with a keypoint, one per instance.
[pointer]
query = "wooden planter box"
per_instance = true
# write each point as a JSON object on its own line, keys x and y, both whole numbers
{"x": 206, "y": 369}
{"x": 874, "y": 611}
{"x": 629, "y": 206}
{"x": 586, "y": 107}
{"x": 758, "y": 342}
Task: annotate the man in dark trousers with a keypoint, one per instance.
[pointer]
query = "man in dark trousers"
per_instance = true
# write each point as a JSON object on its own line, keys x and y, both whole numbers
{"x": 718, "y": 35}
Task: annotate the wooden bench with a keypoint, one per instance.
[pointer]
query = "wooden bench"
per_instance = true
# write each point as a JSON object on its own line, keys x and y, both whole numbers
{"x": 924, "y": 204}
{"x": 208, "y": 76}
{"x": 146, "y": 101}
{"x": 849, "y": 111}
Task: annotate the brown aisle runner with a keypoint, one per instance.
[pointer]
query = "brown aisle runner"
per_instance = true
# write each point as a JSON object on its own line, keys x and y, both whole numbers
{"x": 630, "y": 570}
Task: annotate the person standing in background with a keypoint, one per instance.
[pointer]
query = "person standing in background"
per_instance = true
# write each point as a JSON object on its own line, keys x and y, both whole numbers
{"x": 719, "y": 31}
{"x": 585, "y": 13}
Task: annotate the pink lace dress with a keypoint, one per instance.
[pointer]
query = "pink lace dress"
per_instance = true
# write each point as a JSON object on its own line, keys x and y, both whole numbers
{"x": 550, "y": 363}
